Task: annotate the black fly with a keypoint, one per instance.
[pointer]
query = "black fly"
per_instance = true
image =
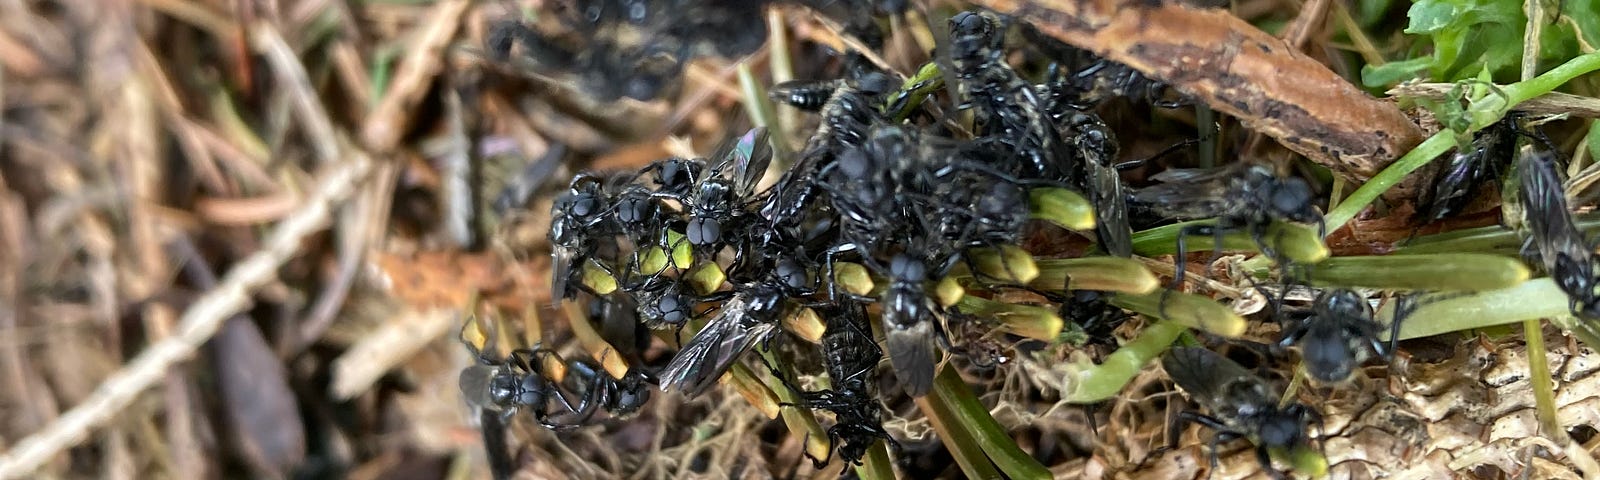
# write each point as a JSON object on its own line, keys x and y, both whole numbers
{"x": 716, "y": 213}
{"x": 1242, "y": 197}
{"x": 1336, "y": 335}
{"x": 578, "y": 226}
{"x": 1096, "y": 149}
{"x": 632, "y": 48}
{"x": 1238, "y": 405}
{"x": 1007, "y": 106}
{"x": 749, "y": 317}
{"x": 599, "y": 391}
{"x": 851, "y": 358}
{"x": 1553, "y": 239}
{"x": 1092, "y": 310}
{"x": 1456, "y": 183}
{"x": 1084, "y": 80}
{"x": 516, "y": 383}
{"x": 909, "y": 318}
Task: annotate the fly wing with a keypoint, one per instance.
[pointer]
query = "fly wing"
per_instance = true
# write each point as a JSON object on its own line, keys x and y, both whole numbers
{"x": 1192, "y": 175}
{"x": 1544, "y": 204}
{"x": 621, "y": 327}
{"x": 474, "y": 384}
{"x": 748, "y": 157}
{"x": 1111, "y": 210}
{"x": 561, "y": 270}
{"x": 1203, "y": 374}
{"x": 712, "y": 351}
{"x": 1186, "y": 195}
{"x": 847, "y": 345}
{"x": 794, "y": 187}
{"x": 912, "y": 354}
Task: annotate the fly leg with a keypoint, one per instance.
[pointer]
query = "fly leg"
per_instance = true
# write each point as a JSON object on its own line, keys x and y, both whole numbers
{"x": 1178, "y": 262}
{"x": 1224, "y": 436}
{"x": 828, "y": 274}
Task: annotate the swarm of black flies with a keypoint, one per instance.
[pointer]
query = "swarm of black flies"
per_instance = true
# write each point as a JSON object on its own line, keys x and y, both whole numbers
{"x": 898, "y": 246}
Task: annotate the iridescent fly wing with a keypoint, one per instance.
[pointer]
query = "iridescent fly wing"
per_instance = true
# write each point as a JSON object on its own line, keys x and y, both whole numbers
{"x": 712, "y": 351}
{"x": 746, "y": 158}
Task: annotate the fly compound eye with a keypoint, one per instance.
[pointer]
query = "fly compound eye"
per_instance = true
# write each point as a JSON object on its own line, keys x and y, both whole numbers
{"x": 907, "y": 269}
{"x": 636, "y": 210}
{"x": 968, "y": 23}
{"x": 673, "y": 308}
{"x": 792, "y": 274}
{"x": 584, "y": 206}
{"x": 703, "y": 231}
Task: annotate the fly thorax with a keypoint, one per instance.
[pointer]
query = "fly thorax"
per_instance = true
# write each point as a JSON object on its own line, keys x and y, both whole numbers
{"x": 1279, "y": 428}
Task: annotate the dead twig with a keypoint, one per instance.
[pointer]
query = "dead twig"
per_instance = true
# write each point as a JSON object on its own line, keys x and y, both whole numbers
{"x": 1553, "y": 103}
{"x": 388, "y": 121}
{"x": 199, "y": 322}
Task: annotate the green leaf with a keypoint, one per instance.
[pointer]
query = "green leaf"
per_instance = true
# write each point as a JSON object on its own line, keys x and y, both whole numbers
{"x": 1585, "y": 18}
{"x": 1430, "y": 16}
{"x": 1393, "y": 72}
{"x": 1593, "y": 139}
{"x": 1463, "y": 37}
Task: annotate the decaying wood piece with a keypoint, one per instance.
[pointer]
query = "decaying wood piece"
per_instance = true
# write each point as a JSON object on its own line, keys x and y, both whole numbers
{"x": 1236, "y": 69}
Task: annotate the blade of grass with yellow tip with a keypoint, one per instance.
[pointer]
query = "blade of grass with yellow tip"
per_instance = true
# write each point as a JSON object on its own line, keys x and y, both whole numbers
{"x": 1436, "y": 272}
{"x": 706, "y": 277}
{"x": 1060, "y": 206}
{"x": 1303, "y": 460}
{"x": 597, "y": 347}
{"x": 1026, "y": 320}
{"x": 798, "y": 419}
{"x": 597, "y": 279}
{"x": 1298, "y": 243}
{"x": 1453, "y": 312}
{"x": 1090, "y": 383}
{"x": 852, "y": 278}
{"x": 1007, "y": 263}
{"x": 806, "y": 324}
{"x": 1189, "y": 310}
{"x": 1114, "y": 274}
{"x": 754, "y": 391}
{"x": 948, "y": 291}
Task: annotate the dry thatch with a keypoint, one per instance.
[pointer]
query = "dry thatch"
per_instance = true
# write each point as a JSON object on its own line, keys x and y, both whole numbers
{"x": 238, "y": 238}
